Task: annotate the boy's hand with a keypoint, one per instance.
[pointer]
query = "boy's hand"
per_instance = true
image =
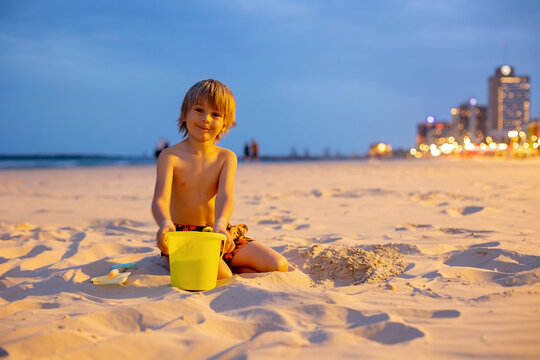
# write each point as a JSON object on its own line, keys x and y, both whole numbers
{"x": 160, "y": 235}
{"x": 221, "y": 228}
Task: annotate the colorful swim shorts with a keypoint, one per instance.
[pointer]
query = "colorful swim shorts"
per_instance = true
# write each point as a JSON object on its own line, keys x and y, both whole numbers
{"x": 238, "y": 233}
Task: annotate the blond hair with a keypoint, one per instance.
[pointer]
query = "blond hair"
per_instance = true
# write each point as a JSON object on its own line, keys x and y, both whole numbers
{"x": 218, "y": 95}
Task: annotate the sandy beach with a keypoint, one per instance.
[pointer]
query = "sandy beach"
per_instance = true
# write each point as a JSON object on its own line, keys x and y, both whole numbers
{"x": 388, "y": 260}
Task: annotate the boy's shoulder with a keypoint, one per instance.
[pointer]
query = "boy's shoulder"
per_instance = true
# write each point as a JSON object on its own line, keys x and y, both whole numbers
{"x": 179, "y": 151}
{"x": 226, "y": 153}
{"x": 171, "y": 151}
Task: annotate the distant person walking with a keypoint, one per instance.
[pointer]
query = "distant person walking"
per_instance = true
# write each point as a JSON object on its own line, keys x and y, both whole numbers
{"x": 246, "y": 152}
{"x": 255, "y": 150}
{"x": 160, "y": 146}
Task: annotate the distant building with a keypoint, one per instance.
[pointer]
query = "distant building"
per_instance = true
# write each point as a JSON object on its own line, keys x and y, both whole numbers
{"x": 422, "y": 132}
{"x": 432, "y": 132}
{"x": 380, "y": 150}
{"x": 440, "y": 134}
{"x": 469, "y": 120}
{"x": 533, "y": 131}
{"x": 509, "y": 103}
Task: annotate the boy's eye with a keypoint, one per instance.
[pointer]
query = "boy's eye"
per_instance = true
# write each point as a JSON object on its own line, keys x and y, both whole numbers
{"x": 197, "y": 109}
{"x": 217, "y": 114}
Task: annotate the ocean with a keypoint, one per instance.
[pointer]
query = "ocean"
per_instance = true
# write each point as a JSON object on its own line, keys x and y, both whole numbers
{"x": 69, "y": 161}
{"x": 74, "y": 160}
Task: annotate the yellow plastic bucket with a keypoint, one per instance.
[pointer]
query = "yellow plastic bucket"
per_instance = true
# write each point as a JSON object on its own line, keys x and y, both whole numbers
{"x": 194, "y": 258}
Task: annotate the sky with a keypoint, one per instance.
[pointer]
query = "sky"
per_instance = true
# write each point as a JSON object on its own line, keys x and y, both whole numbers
{"x": 108, "y": 77}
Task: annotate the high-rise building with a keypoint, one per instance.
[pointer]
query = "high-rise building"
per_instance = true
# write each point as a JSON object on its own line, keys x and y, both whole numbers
{"x": 508, "y": 107}
{"x": 469, "y": 120}
{"x": 422, "y": 133}
{"x": 533, "y": 132}
{"x": 440, "y": 133}
{"x": 424, "y": 129}
{"x": 432, "y": 132}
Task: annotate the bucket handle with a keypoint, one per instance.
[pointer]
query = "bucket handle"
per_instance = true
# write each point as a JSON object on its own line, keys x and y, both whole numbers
{"x": 221, "y": 253}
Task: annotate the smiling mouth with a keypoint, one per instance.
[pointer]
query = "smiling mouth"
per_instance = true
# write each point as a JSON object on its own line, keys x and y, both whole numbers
{"x": 203, "y": 128}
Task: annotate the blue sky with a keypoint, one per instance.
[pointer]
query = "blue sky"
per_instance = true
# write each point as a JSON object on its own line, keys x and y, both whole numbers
{"x": 108, "y": 77}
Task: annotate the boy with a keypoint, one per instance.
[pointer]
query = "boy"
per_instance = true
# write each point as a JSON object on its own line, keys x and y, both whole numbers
{"x": 195, "y": 182}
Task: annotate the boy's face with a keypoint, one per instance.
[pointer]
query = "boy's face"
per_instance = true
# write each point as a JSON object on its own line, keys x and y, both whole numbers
{"x": 203, "y": 121}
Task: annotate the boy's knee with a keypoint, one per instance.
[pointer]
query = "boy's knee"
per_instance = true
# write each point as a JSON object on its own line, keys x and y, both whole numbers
{"x": 224, "y": 272}
{"x": 281, "y": 264}
{"x": 275, "y": 263}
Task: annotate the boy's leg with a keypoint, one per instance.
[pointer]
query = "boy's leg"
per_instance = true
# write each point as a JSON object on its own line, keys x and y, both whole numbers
{"x": 260, "y": 258}
{"x": 224, "y": 272}
{"x": 243, "y": 270}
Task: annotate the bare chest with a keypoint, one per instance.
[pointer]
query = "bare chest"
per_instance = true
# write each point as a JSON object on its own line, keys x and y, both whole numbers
{"x": 196, "y": 181}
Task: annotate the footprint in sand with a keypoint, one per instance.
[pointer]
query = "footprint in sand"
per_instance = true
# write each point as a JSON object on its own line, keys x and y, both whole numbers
{"x": 457, "y": 231}
{"x": 292, "y": 227}
{"x": 388, "y": 333}
{"x": 318, "y": 193}
{"x": 283, "y": 222}
{"x": 377, "y": 327}
{"x": 498, "y": 260}
{"x": 276, "y": 220}
{"x": 427, "y": 314}
{"x": 484, "y": 186}
{"x": 507, "y": 268}
{"x": 347, "y": 194}
{"x": 464, "y": 211}
{"x": 411, "y": 226}
{"x": 120, "y": 227}
{"x": 428, "y": 199}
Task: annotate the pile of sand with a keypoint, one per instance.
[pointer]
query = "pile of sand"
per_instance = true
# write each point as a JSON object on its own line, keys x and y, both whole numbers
{"x": 352, "y": 266}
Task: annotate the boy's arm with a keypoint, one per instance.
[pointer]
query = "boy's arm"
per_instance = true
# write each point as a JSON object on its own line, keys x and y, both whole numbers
{"x": 162, "y": 198}
{"x": 225, "y": 198}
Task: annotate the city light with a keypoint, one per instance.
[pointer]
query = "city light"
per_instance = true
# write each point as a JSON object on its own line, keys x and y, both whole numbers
{"x": 447, "y": 148}
{"x": 512, "y": 134}
{"x": 433, "y": 150}
{"x": 380, "y": 150}
{"x": 466, "y": 133}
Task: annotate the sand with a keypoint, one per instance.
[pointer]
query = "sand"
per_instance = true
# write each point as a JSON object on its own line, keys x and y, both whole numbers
{"x": 390, "y": 260}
